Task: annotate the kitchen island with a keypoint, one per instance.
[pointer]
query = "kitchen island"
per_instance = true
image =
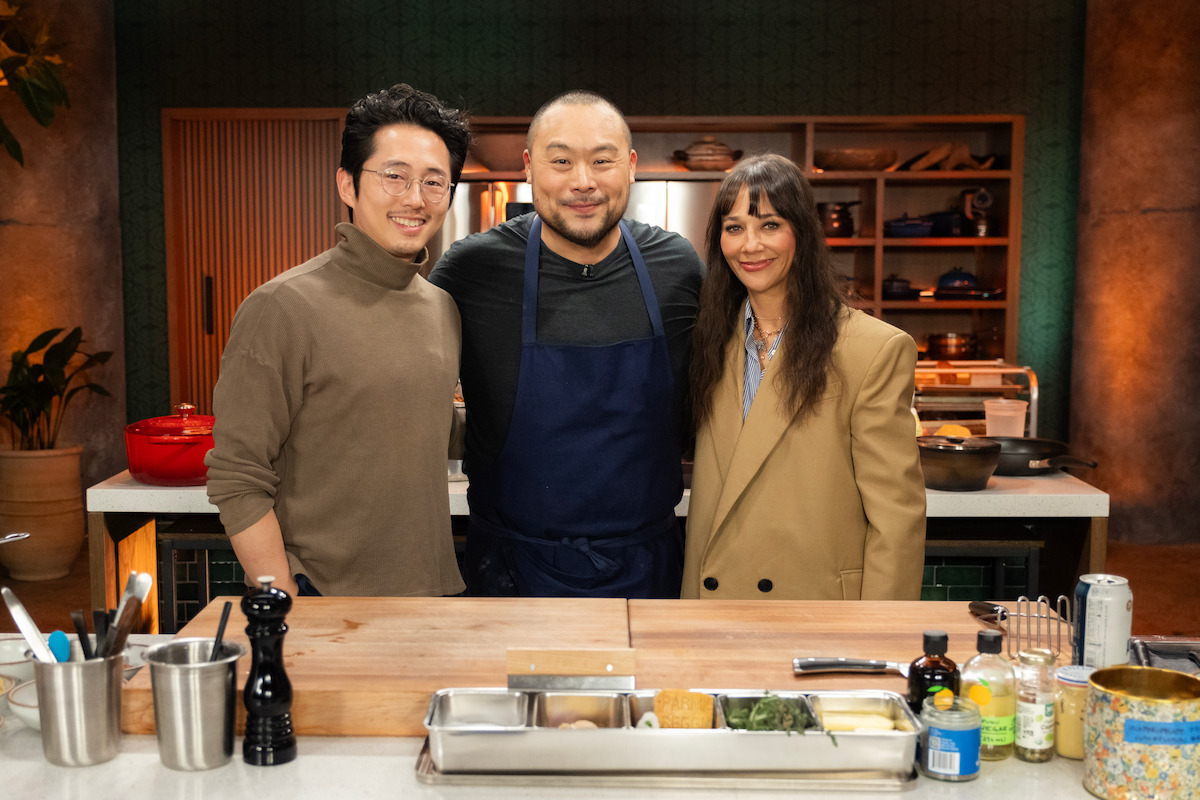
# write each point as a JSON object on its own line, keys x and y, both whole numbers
{"x": 393, "y": 653}
{"x": 125, "y": 518}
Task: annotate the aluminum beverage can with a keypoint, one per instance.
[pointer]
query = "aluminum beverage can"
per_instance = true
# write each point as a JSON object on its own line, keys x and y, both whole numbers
{"x": 1103, "y": 621}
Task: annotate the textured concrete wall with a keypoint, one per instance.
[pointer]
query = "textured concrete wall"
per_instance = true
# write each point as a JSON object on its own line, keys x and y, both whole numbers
{"x": 60, "y": 241}
{"x": 1135, "y": 393}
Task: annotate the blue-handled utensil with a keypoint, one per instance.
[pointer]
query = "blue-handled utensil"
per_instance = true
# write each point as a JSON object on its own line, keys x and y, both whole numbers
{"x": 60, "y": 646}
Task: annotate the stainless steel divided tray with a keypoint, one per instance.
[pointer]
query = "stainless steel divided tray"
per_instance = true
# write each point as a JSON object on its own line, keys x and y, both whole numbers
{"x": 494, "y": 730}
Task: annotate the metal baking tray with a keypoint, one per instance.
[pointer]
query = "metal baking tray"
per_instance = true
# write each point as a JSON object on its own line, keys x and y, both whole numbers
{"x": 1180, "y": 653}
{"x": 504, "y": 731}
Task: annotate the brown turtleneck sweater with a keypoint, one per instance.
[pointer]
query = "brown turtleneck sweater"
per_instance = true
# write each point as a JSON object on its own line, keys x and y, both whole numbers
{"x": 334, "y": 406}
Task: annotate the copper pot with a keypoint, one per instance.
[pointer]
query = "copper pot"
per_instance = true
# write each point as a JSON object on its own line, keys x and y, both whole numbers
{"x": 950, "y": 346}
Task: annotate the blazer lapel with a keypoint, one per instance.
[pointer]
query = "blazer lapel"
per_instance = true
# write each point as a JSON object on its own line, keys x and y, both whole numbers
{"x": 743, "y": 447}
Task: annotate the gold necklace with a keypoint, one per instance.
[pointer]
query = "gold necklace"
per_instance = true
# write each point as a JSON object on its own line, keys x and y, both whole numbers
{"x": 761, "y": 344}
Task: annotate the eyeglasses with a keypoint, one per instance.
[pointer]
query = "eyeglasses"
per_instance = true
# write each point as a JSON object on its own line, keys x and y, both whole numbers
{"x": 433, "y": 188}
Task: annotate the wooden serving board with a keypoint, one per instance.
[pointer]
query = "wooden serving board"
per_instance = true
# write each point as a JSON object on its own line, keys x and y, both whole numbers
{"x": 368, "y": 666}
{"x": 750, "y": 644}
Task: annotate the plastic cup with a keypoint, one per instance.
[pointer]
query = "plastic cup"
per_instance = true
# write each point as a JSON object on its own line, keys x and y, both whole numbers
{"x": 80, "y": 707}
{"x": 194, "y": 701}
{"x": 1005, "y": 417}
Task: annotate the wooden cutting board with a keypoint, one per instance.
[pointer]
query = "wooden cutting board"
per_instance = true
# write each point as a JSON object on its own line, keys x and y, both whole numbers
{"x": 750, "y": 644}
{"x": 368, "y": 666}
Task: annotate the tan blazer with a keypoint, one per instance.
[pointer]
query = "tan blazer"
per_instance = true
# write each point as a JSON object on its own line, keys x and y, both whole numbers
{"x": 833, "y": 508}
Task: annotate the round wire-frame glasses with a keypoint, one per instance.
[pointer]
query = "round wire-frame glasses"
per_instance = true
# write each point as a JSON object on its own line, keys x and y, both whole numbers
{"x": 433, "y": 188}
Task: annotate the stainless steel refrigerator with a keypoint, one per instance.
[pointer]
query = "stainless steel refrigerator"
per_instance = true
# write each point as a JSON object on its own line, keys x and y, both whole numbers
{"x": 679, "y": 206}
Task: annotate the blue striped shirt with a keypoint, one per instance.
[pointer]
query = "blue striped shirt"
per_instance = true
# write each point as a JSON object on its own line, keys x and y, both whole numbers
{"x": 754, "y": 373}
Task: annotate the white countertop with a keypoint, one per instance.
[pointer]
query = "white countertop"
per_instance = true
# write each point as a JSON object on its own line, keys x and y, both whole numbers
{"x": 1055, "y": 495}
{"x": 358, "y": 767}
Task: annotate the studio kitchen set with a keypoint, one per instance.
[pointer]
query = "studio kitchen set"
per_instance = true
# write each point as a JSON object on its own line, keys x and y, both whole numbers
{"x": 1037, "y": 692}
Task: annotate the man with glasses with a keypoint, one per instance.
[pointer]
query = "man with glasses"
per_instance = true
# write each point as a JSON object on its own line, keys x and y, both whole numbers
{"x": 576, "y": 336}
{"x": 334, "y": 407}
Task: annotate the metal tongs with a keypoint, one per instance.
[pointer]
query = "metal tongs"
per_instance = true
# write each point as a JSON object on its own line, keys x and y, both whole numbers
{"x": 1034, "y": 623}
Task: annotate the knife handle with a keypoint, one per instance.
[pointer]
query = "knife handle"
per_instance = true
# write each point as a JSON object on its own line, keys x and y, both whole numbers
{"x": 982, "y": 608}
{"x": 812, "y": 666}
{"x": 129, "y": 617}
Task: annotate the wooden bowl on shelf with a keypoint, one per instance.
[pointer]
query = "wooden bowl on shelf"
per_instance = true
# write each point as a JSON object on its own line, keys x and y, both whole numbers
{"x": 854, "y": 158}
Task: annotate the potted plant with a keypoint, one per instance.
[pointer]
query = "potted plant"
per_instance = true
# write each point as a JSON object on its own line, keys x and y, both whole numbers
{"x": 30, "y": 67}
{"x": 39, "y": 482}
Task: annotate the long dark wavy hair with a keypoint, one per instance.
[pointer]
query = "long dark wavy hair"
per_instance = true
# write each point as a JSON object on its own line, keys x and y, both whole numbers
{"x": 814, "y": 302}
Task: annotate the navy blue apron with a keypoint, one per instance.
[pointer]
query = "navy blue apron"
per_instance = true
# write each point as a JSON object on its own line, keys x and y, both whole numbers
{"x": 581, "y": 500}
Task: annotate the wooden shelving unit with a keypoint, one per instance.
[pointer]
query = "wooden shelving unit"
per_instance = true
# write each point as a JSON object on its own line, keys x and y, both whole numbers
{"x": 868, "y": 257}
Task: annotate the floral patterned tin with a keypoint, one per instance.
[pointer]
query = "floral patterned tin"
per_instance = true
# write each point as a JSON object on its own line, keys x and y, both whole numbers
{"x": 1141, "y": 734}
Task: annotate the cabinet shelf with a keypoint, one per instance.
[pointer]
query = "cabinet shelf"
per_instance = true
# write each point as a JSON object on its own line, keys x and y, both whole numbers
{"x": 945, "y": 241}
{"x": 943, "y": 305}
{"x": 875, "y": 196}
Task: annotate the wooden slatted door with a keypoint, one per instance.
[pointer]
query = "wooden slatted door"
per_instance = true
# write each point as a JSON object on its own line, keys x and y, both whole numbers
{"x": 248, "y": 193}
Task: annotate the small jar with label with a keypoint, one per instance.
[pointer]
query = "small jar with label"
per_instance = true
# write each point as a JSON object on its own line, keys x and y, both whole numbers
{"x": 1035, "y": 705}
{"x": 951, "y": 740}
{"x": 1072, "y": 688}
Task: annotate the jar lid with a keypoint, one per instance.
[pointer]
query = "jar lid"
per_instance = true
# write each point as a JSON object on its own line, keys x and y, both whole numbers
{"x": 185, "y": 422}
{"x": 1037, "y": 656}
{"x": 989, "y": 641}
{"x": 1074, "y": 675}
{"x": 935, "y": 643}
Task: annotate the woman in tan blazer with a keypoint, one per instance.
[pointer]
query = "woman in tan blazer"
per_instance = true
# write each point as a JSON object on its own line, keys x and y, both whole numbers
{"x": 807, "y": 479}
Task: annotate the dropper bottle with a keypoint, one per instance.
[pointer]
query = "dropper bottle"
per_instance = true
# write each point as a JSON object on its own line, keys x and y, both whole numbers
{"x": 989, "y": 680}
{"x": 933, "y": 672}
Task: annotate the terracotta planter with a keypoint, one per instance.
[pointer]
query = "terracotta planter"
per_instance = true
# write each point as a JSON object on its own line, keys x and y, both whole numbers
{"x": 40, "y": 493}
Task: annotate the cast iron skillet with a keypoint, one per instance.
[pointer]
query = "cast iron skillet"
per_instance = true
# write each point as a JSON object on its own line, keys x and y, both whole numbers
{"x": 1020, "y": 456}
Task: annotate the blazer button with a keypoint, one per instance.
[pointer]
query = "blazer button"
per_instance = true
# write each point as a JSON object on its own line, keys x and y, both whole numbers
{"x": 765, "y": 585}
{"x": 710, "y": 584}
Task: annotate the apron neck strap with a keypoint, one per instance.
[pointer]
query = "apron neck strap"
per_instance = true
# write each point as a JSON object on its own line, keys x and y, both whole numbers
{"x": 533, "y": 249}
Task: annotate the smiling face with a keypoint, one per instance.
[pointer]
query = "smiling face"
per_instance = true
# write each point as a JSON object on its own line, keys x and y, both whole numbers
{"x": 759, "y": 248}
{"x": 581, "y": 165}
{"x": 401, "y": 225}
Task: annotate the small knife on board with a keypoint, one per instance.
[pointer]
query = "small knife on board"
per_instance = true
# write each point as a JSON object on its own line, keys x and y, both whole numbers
{"x": 866, "y": 666}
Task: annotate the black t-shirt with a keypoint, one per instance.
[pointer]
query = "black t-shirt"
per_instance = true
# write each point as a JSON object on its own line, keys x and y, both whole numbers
{"x": 484, "y": 274}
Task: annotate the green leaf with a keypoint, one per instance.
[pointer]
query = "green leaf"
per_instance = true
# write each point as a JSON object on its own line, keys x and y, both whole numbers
{"x": 41, "y": 340}
{"x": 11, "y": 144}
{"x": 36, "y": 97}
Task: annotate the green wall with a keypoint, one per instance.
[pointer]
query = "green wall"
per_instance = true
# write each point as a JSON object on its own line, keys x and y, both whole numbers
{"x": 680, "y": 57}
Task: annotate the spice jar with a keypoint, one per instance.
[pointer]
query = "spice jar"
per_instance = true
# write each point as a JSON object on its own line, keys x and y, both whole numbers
{"x": 1035, "y": 705}
{"x": 951, "y": 739}
{"x": 1072, "y": 690}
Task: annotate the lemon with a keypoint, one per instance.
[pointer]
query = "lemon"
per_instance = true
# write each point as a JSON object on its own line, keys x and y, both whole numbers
{"x": 953, "y": 430}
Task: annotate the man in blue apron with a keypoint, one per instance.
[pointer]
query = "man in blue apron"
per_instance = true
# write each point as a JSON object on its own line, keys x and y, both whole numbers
{"x": 576, "y": 335}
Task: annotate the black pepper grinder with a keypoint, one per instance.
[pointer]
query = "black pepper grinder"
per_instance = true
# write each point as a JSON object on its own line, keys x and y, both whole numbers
{"x": 270, "y": 738}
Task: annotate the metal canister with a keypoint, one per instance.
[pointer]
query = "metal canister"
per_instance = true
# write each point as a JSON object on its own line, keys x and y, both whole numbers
{"x": 1103, "y": 621}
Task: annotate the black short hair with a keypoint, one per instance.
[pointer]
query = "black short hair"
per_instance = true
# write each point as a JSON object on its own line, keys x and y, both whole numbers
{"x": 401, "y": 105}
{"x": 576, "y": 97}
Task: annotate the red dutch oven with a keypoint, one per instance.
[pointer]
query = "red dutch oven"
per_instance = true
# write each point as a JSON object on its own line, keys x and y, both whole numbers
{"x": 169, "y": 451}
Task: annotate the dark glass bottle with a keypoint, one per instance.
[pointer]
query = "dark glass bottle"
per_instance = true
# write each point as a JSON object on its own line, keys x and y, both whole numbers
{"x": 932, "y": 672}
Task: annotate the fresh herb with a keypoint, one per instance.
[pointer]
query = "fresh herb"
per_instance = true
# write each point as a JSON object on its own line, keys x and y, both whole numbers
{"x": 771, "y": 713}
